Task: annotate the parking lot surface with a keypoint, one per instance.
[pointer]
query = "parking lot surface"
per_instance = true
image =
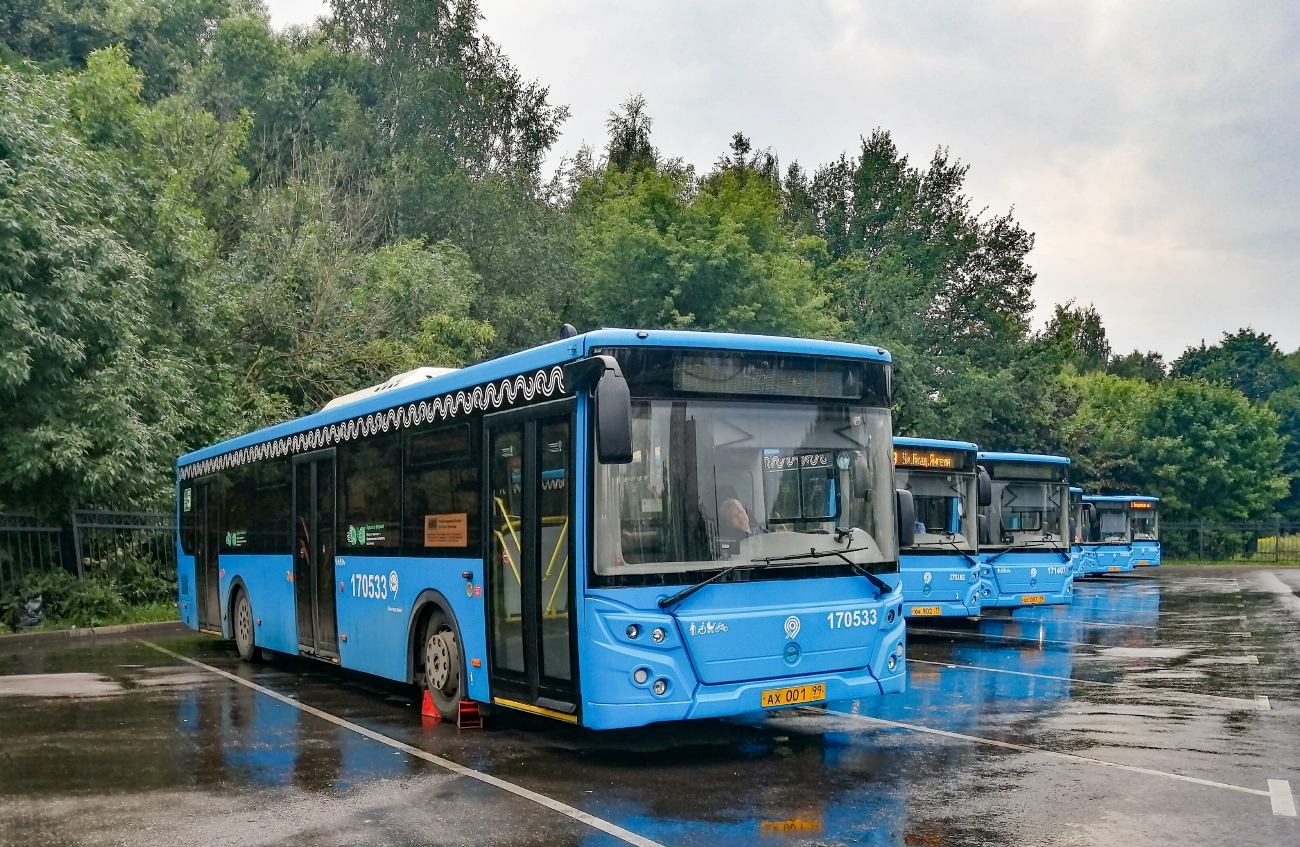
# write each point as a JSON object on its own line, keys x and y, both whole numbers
{"x": 1159, "y": 708}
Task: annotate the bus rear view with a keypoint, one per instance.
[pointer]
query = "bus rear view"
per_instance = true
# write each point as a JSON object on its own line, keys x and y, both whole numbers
{"x": 1025, "y": 535}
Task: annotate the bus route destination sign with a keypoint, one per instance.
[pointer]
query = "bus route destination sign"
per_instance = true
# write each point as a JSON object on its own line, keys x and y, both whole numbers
{"x": 936, "y": 459}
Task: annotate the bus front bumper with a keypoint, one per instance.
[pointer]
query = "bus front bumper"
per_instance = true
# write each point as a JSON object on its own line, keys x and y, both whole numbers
{"x": 1033, "y": 597}
{"x": 746, "y": 698}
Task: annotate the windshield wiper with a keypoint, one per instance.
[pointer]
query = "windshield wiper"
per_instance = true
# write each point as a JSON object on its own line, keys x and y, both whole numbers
{"x": 951, "y": 543}
{"x": 689, "y": 590}
{"x": 881, "y": 586}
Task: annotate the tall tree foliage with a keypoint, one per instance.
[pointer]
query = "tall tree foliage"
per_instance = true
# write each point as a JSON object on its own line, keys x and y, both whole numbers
{"x": 207, "y": 226}
{"x": 1204, "y": 449}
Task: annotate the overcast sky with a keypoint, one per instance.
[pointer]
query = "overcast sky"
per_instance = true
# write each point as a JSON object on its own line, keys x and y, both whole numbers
{"x": 1152, "y": 147}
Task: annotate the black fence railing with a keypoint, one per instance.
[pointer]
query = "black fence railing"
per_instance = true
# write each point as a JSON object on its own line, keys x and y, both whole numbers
{"x": 125, "y": 546}
{"x": 1260, "y": 542}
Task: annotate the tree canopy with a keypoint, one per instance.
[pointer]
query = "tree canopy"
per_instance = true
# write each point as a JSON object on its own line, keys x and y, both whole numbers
{"x": 208, "y": 226}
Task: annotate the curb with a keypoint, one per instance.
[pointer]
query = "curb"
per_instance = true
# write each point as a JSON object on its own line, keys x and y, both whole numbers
{"x": 23, "y": 639}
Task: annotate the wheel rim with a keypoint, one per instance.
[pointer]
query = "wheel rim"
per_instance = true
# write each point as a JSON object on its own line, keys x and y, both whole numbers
{"x": 439, "y": 661}
{"x": 244, "y": 624}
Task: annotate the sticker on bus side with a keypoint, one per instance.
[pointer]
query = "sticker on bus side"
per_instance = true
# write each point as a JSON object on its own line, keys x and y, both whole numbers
{"x": 446, "y": 530}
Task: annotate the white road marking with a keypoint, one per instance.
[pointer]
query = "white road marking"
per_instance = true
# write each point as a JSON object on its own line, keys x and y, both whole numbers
{"x": 519, "y": 791}
{"x": 1274, "y": 793}
{"x": 1260, "y": 702}
{"x": 1279, "y": 791}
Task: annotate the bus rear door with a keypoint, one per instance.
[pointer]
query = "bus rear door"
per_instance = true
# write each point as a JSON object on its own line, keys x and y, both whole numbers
{"x": 530, "y": 572}
{"x": 207, "y": 544}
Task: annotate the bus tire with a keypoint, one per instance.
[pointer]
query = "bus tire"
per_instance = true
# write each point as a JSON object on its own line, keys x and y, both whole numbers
{"x": 242, "y": 622}
{"x": 444, "y": 676}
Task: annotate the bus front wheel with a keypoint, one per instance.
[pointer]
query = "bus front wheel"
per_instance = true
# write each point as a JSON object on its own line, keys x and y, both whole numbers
{"x": 245, "y": 637}
{"x": 442, "y": 665}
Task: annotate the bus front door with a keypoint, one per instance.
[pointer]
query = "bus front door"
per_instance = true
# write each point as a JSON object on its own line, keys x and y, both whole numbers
{"x": 313, "y": 560}
{"x": 530, "y": 572}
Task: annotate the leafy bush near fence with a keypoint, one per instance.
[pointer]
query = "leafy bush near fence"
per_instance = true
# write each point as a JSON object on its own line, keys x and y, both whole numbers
{"x": 119, "y": 589}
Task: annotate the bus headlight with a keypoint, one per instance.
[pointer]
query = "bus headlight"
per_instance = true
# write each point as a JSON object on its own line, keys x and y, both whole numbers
{"x": 658, "y": 635}
{"x": 640, "y": 675}
{"x": 633, "y": 630}
{"x": 893, "y": 661}
{"x": 660, "y": 688}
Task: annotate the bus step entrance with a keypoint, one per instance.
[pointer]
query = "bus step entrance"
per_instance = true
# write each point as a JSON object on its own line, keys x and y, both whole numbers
{"x": 468, "y": 716}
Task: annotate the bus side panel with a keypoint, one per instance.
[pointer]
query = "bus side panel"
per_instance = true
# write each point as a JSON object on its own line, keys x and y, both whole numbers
{"x": 267, "y": 578}
{"x": 375, "y": 600}
{"x": 185, "y": 588}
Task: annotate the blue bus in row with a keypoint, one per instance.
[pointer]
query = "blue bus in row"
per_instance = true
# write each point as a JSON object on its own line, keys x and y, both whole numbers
{"x": 1120, "y": 532}
{"x": 612, "y": 529}
{"x": 1025, "y": 537}
{"x": 940, "y": 571}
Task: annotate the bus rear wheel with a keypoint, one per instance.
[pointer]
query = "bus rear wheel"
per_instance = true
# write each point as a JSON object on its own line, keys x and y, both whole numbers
{"x": 242, "y": 622}
{"x": 443, "y": 677}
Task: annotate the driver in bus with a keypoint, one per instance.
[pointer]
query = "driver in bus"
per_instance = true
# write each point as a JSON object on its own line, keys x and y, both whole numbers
{"x": 735, "y": 520}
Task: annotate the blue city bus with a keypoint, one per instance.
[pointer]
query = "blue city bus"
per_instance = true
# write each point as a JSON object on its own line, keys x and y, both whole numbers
{"x": 1025, "y": 529}
{"x": 1123, "y": 532}
{"x": 940, "y": 571}
{"x": 610, "y": 530}
{"x": 1083, "y": 556}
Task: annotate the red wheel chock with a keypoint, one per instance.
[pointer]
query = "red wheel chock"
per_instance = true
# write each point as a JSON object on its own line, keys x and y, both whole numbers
{"x": 468, "y": 715}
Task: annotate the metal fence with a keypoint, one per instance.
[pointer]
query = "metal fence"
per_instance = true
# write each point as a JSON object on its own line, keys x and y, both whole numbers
{"x": 125, "y": 546}
{"x": 1262, "y": 542}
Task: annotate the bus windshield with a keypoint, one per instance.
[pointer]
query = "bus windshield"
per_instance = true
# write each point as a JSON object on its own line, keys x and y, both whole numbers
{"x": 1029, "y": 514}
{"x": 944, "y": 508}
{"x": 1146, "y": 526}
{"x": 716, "y": 482}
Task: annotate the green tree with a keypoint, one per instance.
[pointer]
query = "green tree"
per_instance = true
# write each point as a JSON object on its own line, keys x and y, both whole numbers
{"x": 1078, "y": 333}
{"x": 94, "y": 380}
{"x": 659, "y": 248}
{"x": 1204, "y": 449}
{"x": 313, "y": 314}
{"x": 1149, "y": 366}
{"x": 166, "y": 39}
{"x": 1247, "y": 360}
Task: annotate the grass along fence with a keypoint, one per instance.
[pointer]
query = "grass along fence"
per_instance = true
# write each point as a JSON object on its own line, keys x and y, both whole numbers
{"x": 97, "y": 568}
{"x": 1260, "y": 542}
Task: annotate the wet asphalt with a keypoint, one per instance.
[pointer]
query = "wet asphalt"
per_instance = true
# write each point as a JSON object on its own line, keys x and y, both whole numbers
{"x": 1187, "y": 677}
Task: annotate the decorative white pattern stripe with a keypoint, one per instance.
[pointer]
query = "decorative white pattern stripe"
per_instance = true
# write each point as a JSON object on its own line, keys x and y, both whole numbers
{"x": 492, "y": 396}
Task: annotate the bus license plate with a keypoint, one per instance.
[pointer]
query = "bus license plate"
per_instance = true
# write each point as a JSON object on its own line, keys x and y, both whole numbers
{"x": 1113, "y": 570}
{"x": 793, "y": 696}
{"x": 1031, "y": 599}
{"x": 1143, "y": 563}
{"x": 922, "y": 611}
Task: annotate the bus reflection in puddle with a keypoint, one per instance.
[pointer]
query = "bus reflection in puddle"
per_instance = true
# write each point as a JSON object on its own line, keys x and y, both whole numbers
{"x": 237, "y": 736}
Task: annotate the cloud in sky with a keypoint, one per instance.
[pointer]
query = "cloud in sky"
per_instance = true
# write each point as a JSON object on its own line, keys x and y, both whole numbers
{"x": 1152, "y": 147}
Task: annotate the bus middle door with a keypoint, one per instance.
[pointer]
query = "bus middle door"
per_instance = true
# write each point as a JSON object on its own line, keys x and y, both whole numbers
{"x": 314, "y": 545}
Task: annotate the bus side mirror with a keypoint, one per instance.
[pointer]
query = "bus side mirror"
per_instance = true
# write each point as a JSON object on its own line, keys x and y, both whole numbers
{"x": 613, "y": 406}
{"x": 986, "y": 488}
{"x": 906, "y": 518}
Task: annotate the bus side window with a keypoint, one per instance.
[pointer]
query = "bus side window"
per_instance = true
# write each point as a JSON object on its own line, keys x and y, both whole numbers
{"x": 371, "y": 472}
{"x": 442, "y": 503}
{"x": 269, "y": 519}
